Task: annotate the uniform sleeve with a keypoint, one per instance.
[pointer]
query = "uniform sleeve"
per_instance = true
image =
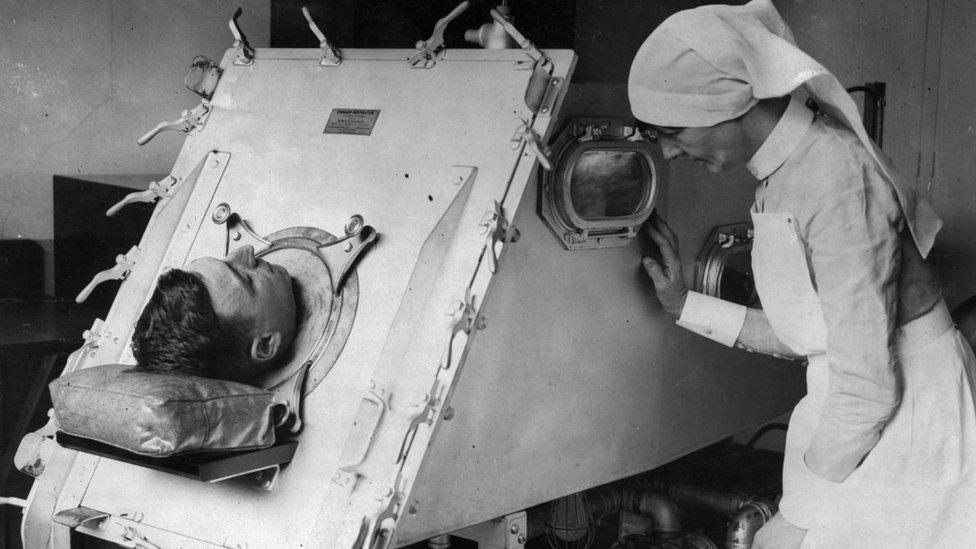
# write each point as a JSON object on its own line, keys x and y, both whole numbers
{"x": 852, "y": 236}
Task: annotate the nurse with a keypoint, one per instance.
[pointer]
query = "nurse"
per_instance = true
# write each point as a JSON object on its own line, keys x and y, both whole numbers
{"x": 882, "y": 449}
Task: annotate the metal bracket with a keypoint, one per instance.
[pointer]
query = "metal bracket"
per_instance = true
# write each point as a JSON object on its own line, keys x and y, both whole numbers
{"x": 330, "y": 55}
{"x": 462, "y": 313}
{"x": 345, "y": 251}
{"x": 430, "y": 50}
{"x": 293, "y": 400}
{"x": 342, "y": 252}
{"x": 188, "y": 120}
{"x": 525, "y": 133}
{"x": 163, "y": 188}
{"x": 508, "y": 532}
{"x": 239, "y": 233}
{"x": 123, "y": 264}
{"x": 246, "y": 54}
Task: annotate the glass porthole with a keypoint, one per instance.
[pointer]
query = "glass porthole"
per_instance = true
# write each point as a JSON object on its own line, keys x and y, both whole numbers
{"x": 724, "y": 266}
{"x": 603, "y": 186}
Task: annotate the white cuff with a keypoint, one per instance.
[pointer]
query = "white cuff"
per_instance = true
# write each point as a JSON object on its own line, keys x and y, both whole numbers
{"x": 713, "y": 318}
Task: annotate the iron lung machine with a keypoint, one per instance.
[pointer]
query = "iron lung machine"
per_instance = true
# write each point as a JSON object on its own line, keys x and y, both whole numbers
{"x": 478, "y": 343}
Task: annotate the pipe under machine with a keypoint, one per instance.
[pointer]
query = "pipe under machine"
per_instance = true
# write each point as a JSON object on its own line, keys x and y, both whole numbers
{"x": 477, "y": 336}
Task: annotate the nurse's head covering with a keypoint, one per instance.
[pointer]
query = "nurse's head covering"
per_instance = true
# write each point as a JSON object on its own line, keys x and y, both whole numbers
{"x": 713, "y": 63}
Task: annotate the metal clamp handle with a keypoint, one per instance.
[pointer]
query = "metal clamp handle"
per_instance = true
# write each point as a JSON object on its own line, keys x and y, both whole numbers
{"x": 330, "y": 55}
{"x": 428, "y": 49}
{"x": 123, "y": 264}
{"x": 188, "y": 120}
{"x": 246, "y": 55}
{"x": 157, "y": 189}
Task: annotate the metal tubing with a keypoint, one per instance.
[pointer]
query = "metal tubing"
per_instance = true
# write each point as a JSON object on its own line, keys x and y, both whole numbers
{"x": 745, "y": 523}
{"x": 649, "y": 503}
{"x": 725, "y": 503}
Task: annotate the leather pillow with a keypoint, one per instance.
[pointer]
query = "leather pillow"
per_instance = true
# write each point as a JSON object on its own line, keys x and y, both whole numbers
{"x": 160, "y": 415}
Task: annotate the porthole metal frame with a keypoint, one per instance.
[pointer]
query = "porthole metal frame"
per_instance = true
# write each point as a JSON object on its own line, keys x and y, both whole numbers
{"x": 584, "y": 135}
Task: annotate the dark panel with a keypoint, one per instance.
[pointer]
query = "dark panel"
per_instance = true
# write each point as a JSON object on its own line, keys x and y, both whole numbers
{"x": 85, "y": 240}
{"x": 399, "y": 24}
{"x": 21, "y": 269}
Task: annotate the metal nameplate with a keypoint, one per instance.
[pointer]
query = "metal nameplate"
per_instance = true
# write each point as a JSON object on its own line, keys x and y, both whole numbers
{"x": 352, "y": 121}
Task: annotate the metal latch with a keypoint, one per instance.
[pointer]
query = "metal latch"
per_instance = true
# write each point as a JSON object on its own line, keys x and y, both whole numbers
{"x": 123, "y": 265}
{"x": 157, "y": 189}
{"x": 245, "y": 55}
{"x": 525, "y": 133}
{"x": 188, "y": 120}
{"x": 542, "y": 91}
{"x": 495, "y": 227}
{"x": 462, "y": 313}
{"x": 430, "y": 50}
{"x": 330, "y": 55}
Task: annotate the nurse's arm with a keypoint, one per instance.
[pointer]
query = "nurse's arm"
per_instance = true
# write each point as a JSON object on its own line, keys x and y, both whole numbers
{"x": 722, "y": 321}
{"x": 758, "y": 336}
{"x": 854, "y": 247}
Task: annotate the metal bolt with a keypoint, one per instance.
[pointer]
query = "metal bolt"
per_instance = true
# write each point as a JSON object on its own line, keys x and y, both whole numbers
{"x": 221, "y": 213}
{"x": 521, "y": 539}
{"x": 514, "y": 529}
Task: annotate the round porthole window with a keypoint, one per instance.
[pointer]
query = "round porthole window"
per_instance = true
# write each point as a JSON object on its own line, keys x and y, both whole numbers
{"x": 603, "y": 186}
{"x": 724, "y": 266}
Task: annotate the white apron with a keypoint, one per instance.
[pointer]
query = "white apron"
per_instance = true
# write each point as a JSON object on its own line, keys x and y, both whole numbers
{"x": 917, "y": 487}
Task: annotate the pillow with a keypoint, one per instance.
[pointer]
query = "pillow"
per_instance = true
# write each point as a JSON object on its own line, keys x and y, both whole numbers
{"x": 161, "y": 415}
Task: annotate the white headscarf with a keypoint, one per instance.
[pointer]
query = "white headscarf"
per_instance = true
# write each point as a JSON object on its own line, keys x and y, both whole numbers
{"x": 710, "y": 64}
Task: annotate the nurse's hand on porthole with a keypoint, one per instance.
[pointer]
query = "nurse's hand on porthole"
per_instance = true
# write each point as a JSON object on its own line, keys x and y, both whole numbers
{"x": 666, "y": 272}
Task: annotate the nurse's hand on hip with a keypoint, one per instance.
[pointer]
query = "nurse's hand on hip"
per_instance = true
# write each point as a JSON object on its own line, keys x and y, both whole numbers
{"x": 666, "y": 273}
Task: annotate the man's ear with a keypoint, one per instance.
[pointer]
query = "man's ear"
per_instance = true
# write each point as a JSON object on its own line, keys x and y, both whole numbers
{"x": 265, "y": 347}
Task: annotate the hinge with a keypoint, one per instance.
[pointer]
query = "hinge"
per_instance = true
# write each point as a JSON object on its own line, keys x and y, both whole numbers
{"x": 525, "y": 134}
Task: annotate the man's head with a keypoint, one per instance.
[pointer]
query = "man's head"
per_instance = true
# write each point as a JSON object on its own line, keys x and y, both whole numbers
{"x": 229, "y": 319}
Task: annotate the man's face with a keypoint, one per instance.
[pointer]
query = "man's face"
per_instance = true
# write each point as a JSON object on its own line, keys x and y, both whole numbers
{"x": 254, "y": 292}
{"x": 720, "y": 147}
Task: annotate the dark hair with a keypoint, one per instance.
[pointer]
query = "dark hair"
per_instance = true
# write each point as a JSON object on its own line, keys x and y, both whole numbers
{"x": 179, "y": 331}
